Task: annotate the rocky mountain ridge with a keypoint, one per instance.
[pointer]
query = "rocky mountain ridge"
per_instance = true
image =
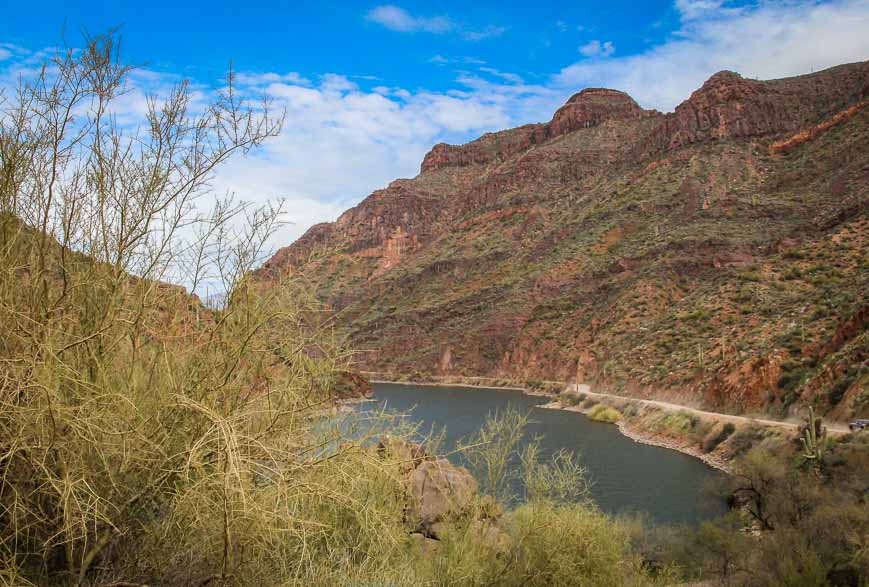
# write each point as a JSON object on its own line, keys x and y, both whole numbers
{"x": 711, "y": 254}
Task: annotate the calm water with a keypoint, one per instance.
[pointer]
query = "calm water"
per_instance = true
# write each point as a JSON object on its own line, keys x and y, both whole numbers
{"x": 627, "y": 476}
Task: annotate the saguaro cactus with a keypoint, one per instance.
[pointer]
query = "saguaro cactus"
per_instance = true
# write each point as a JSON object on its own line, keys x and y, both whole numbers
{"x": 814, "y": 440}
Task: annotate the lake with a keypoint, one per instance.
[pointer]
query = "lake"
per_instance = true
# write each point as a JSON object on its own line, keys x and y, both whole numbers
{"x": 626, "y": 476}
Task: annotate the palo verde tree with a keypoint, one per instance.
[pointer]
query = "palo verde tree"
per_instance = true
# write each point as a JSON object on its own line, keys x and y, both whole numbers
{"x": 145, "y": 437}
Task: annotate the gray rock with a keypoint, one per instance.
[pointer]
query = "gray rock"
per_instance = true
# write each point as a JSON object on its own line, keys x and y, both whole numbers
{"x": 439, "y": 492}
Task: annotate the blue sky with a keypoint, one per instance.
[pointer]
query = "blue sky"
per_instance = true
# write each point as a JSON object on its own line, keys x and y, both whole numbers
{"x": 369, "y": 87}
{"x": 352, "y": 38}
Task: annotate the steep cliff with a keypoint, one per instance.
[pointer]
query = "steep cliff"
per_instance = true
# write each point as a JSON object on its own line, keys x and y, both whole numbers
{"x": 717, "y": 253}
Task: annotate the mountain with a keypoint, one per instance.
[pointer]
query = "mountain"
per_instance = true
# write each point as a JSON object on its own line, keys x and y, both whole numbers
{"x": 717, "y": 254}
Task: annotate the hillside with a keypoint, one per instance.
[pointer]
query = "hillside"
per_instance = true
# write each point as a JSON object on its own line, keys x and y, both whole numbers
{"x": 716, "y": 255}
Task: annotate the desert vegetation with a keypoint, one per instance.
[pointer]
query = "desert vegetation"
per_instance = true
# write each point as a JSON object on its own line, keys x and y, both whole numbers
{"x": 603, "y": 413}
{"x": 805, "y": 528}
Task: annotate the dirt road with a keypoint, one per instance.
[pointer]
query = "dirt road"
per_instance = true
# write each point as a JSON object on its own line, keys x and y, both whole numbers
{"x": 832, "y": 428}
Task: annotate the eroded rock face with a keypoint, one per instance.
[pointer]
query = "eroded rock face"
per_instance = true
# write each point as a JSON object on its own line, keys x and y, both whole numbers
{"x": 586, "y": 109}
{"x": 397, "y": 221}
{"x": 488, "y": 149}
{"x": 662, "y": 252}
{"x": 591, "y": 107}
{"x": 730, "y": 106}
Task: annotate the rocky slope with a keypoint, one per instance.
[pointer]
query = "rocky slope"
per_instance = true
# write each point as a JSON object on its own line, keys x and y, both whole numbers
{"x": 716, "y": 254}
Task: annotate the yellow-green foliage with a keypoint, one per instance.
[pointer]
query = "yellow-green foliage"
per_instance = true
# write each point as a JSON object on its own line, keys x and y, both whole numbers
{"x": 570, "y": 545}
{"x": 809, "y": 528}
{"x": 143, "y": 436}
{"x": 717, "y": 434}
{"x": 603, "y": 413}
{"x": 543, "y": 543}
{"x": 674, "y": 422}
{"x": 571, "y": 398}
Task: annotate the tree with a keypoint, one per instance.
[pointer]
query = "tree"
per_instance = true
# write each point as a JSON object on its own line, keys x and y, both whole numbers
{"x": 144, "y": 436}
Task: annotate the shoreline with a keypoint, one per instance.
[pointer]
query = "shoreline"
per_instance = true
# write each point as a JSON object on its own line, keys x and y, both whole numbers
{"x": 663, "y": 442}
{"x": 652, "y": 439}
{"x": 524, "y": 390}
{"x": 638, "y": 436}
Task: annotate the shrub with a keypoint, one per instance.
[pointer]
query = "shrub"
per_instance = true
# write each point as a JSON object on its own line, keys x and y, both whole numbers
{"x": 803, "y": 526}
{"x": 745, "y": 438}
{"x": 571, "y": 398}
{"x": 790, "y": 380}
{"x": 145, "y": 437}
{"x": 837, "y": 392}
{"x": 568, "y": 545}
{"x": 718, "y": 434}
{"x": 680, "y": 423}
{"x": 603, "y": 413}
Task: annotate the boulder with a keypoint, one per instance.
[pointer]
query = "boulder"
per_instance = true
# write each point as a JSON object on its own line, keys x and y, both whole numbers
{"x": 439, "y": 492}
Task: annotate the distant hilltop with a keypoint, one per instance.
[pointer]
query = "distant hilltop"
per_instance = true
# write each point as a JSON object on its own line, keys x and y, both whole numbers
{"x": 716, "y": 252}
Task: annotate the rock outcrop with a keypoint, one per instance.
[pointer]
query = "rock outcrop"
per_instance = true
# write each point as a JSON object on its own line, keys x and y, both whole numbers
{"x": 438, "y": 492}
{"x": 586, "y": 109}
{"x": 591, "y": 107}
{"x": 350, "y": 385}
{"x": 729, "y": 106}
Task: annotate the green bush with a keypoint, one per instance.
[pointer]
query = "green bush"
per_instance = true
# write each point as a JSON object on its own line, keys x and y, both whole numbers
{"x": 589, "y": 403}
{"x": 837, "y": 392}
{"x": 603, "y": 413}
{"x": 680, "y": 423}
{"x": 568, "y": 545}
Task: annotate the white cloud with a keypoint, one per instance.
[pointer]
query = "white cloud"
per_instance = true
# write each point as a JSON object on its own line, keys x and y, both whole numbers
{"x": 509, "y": 77}
{"x": 442, "y": 60}
{"x": 770, "y": 40}
{"x": 487, "y": 33}
{"x": 597, "y": 49}
{"x": 256, "y": 79}
{"x": 691, "y": 9}
{"x": 8, "y": 50}
{"x": 340, "y": 143}
{"x": 398, "y": 19}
